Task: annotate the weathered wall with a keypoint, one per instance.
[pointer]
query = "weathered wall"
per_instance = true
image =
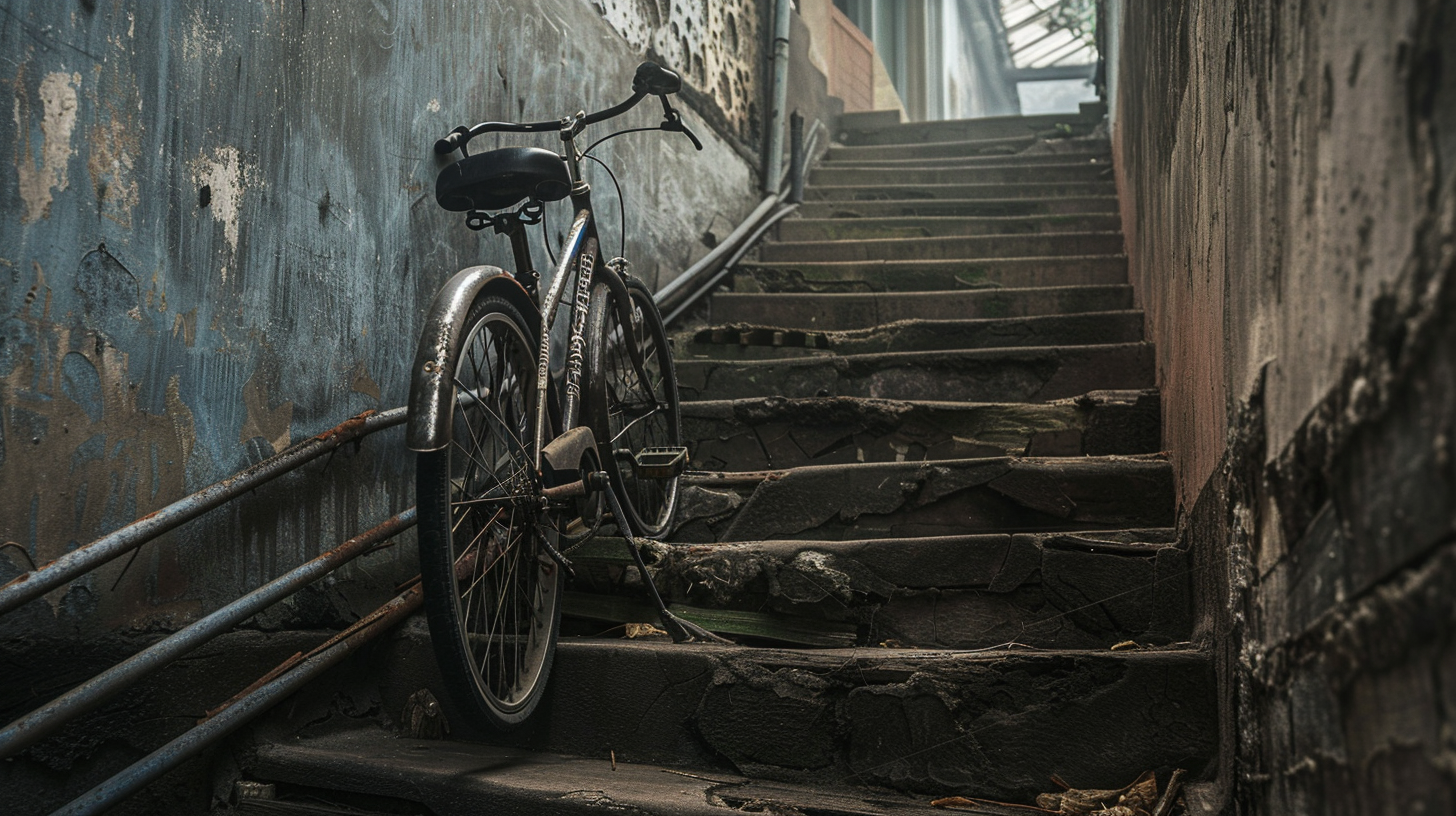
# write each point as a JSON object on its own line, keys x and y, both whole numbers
{"x": 1286, "y": 173}
{"x": 218, "y": 236}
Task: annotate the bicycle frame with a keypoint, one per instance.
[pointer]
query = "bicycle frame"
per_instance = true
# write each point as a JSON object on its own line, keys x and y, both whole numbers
{"x": 432, "y": 386}
{"x": 583, "y": 265}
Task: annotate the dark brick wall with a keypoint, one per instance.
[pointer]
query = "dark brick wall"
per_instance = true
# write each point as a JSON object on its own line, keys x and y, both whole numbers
{"x": 1286, "y": 174}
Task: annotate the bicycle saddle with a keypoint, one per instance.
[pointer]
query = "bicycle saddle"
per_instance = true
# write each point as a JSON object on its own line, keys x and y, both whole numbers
{"x": 500, "y": 178}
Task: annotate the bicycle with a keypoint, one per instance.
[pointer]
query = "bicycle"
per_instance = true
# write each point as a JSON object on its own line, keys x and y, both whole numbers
{"x": 520, "y": 460}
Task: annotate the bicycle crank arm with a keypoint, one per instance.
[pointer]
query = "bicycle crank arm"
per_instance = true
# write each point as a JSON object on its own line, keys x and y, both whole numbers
{"x": 681, "y": 631}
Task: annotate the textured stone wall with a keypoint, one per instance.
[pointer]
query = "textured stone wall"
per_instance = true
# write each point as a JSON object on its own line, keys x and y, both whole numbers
{"x": 717, "y": 46}
{"x": 218, "y": 237}
{"x": 1286, "y": 173}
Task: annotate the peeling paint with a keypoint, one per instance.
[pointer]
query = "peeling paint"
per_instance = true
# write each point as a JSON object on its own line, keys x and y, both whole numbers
{"x": 362, "y": 382}
{"x": 114, "y": 143}
{"x": 57, "y": 96}
{"x": 224, "y": 176}
{"x": 185, "y": 324}
{"x": 69, "y": 410}
{"x": 274, "y": 425}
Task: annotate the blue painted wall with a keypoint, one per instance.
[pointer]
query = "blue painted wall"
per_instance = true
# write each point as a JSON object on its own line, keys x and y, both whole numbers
{"x": 218, "y": 236}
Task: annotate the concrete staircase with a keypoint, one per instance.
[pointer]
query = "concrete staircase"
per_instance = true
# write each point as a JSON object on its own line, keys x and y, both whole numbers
{"x": 927, "y": 499}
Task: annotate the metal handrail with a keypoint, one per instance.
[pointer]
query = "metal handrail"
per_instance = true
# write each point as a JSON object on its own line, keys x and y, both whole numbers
{"x": 29, "y": 729}
{"x": 278, "y": 684}
{"x": 31, "y": 585}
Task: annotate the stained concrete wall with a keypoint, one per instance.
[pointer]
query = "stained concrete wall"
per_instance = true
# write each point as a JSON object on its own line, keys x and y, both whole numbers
{"x": 1286, "y": 173}
{"x": 218, "y": 236}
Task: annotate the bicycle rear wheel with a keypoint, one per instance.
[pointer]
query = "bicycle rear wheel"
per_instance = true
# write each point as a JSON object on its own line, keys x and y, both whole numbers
{"x": 631, "y": 411}
{"x": 492, "y": 591}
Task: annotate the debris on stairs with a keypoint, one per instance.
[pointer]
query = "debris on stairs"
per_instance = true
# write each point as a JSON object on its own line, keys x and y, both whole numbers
{"x": 927, "y": 500}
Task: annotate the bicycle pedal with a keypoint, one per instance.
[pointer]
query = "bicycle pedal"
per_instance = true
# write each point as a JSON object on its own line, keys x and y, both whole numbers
{"x": 660, "y": 463}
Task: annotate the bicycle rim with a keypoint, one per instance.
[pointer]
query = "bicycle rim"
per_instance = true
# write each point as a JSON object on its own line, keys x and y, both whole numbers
{"x": 492, "y": 592}
{"x": 630, "y": 412}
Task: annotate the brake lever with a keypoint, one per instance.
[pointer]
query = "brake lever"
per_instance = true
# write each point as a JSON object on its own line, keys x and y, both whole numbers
{"x": 672, "y": 121}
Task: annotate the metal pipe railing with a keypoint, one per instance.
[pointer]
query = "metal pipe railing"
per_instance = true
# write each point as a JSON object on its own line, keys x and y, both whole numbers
{"x": 26, "y": 731}
{"x": 31, "y": 585}
{"x": 710, "y": 278}
{"x": 280, "y": 683}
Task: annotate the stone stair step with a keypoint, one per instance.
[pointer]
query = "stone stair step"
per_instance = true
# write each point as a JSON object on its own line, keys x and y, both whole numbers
{"x": 831, "y": 311}
{"x": 1061, "y": 172}
{"x": 739, "y": 341}
{"x": 981, "y": 375}
{"x": 897, "y": 159}
{"x": 1036, "y": 245}
{"x": 840, "y": 229}
{"x": 965, "y": 191}
{"x": 1011, "y": 146}
{"x": 615, "y": 608}
{"x": 930, "y": 275}
{"x": 987, "y": 207}
{"x": 903, "y": 499}
{"x": 945, "y": 130}
{"x": 334, "y": 772}
{"x": 991, "y": 724}
{"x": 775, "y": 433}
{"x": 1079, "y": 590}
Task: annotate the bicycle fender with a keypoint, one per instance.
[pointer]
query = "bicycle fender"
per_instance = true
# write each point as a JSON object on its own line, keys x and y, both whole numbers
{"x": 432, "y": 388}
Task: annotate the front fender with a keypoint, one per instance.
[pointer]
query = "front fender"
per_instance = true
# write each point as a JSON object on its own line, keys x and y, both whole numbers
{"x": 432, "y": 388}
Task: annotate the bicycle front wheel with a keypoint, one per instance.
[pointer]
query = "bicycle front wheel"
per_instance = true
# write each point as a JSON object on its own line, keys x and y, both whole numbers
{"x": 631, "y": 410}
{"x": 492, "y": 591}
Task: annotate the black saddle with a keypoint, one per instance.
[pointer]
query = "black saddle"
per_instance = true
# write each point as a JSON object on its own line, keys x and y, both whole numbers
{"x": 500, "y": 178}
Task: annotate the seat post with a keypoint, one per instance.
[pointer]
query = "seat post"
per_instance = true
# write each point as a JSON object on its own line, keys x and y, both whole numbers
{"x": 526, "y": 273}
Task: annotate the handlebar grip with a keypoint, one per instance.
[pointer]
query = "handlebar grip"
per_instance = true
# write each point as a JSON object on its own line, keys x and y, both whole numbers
{"x": 450, "y": 142}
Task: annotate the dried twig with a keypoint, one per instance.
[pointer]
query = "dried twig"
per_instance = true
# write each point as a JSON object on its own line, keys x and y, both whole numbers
{"x": 1170, "y": 795}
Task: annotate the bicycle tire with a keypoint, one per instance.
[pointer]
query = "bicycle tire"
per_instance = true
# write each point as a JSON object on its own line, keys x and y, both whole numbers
{"x": 618, "y": 399}
{"x": 493, "y": 620}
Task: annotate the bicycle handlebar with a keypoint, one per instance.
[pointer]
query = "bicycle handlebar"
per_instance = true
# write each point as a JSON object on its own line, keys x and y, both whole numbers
{"x": 651, "y": 78}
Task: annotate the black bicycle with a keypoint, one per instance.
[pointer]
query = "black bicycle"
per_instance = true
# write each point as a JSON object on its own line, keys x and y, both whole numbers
{"x": 521, "y": 456}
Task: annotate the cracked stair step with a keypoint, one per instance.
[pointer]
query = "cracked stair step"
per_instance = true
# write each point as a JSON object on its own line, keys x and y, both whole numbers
{"x": 762, "y": 626}
{"x": 994, "y": 724}
{"x": 774, "y": 433}
{"x": 1027, "y": 144}
{"x": 1036, "y": 156}
{"x": 735, "y": 341}
{"x": 990, "y": 207}
{"x": 841, "y": 229}
{"x": 334, "y": 773}
{"x": 834, "y": 311}
{"x": 960, "y": 192}
{"x": 867, "y": 131}
{"x": 1080, "y": 590}
{"x": 1062, "y": 172}
{"x": 944, "y": 248}
{"x": 980, "y": 375}
{"x": 929, "y": 275}
{"x": 944, "y": 497}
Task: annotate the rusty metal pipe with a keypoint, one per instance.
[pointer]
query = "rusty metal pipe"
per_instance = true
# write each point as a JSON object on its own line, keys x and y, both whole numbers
{"x": 243, "y": 709}
{"x": 685, "y": 298}
{"x": 33, "y": 584}
{"x": 36, "y": 725}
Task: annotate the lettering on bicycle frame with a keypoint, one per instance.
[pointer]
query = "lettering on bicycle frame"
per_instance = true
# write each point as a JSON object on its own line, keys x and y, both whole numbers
{"x": 575, "y": 355}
